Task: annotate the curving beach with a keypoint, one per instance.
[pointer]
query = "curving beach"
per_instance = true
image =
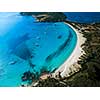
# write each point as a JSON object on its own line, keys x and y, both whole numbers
{"x": 71, "y": 66}
{"x": 49, "y": 49}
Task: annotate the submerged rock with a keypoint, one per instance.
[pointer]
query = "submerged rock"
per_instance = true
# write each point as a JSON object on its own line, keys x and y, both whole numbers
{"x": 12, "y": 62}
{"x": 59, "y": 50}
{"x": 59, "y": 37}
{"x": 50, "y": 57}
{"x": 27, "y": 76}
{"x": 36, "y": 44}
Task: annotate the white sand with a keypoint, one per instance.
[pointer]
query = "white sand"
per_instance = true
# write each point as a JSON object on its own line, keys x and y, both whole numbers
{"x": 71, "y": 65}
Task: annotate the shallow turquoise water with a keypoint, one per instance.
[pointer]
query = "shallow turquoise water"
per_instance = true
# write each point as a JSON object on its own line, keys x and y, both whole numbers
{"x": 47, "y": 45}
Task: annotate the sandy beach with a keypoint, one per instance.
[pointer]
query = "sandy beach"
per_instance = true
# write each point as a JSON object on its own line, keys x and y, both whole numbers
{"x": 71, "y": 66}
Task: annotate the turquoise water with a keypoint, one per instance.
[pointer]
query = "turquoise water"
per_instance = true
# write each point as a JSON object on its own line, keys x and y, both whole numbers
{"x": 22, "y": 39}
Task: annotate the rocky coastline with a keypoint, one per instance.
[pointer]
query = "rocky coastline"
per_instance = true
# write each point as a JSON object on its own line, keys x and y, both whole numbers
{"x": 86, "y": 71}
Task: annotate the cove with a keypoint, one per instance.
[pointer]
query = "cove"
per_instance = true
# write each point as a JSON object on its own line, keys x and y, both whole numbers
{"x": 24, "y": 42}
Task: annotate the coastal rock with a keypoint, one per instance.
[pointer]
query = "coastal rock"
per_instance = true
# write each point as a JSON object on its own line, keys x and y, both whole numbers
{"x": 27, "y": 76}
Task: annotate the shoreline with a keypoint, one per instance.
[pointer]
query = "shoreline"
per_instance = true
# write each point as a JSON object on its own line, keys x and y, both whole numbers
{"x": 70, "y": 66}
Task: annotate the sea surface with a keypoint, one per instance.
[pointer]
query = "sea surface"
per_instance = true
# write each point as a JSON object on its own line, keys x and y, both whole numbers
{"x": 83, "y": 17}
{"x": 27, "y": 45}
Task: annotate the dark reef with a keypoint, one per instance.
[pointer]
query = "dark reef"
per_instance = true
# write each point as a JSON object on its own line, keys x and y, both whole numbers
{"x": 60, "y": 49}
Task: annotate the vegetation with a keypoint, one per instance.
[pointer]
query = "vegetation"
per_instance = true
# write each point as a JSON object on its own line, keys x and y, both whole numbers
{"x": 46, "y": 16}
{"x": 51, "y": 82}
{"x": 89, "y": 75}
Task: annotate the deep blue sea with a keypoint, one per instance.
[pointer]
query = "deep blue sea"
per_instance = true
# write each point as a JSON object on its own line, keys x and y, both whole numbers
{"x": 23, "y": 40}
{"x": 83, "y": 17}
